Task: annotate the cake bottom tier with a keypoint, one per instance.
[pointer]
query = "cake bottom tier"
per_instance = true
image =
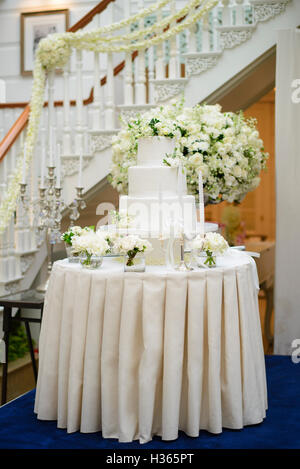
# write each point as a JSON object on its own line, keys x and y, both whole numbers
{"x": 155, "y": 218}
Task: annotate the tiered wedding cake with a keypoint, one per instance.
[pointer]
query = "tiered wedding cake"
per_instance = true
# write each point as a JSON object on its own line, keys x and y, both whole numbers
{"x": 157, "y": 194}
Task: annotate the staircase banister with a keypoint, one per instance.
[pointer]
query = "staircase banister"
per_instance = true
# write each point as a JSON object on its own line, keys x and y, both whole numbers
{"x": 22, "y": 120}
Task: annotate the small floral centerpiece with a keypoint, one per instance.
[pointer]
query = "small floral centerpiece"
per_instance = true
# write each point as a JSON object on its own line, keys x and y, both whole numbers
{"x": 121, "y": 218}
{"x": 91, "y": 248}
{"x": 134, "y": 249}
{"x": 212, "y": 245}
{"x": 67, "y": 237}
{"x": 110, "y": 235}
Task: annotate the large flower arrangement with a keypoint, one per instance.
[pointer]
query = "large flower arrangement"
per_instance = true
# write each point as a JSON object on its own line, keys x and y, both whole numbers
{"x": 225, "y": 147}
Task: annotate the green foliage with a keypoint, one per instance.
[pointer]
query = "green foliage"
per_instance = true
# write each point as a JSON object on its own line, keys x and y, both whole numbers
{"x": 67, "y": 237}
{"x": 18, "y": 344}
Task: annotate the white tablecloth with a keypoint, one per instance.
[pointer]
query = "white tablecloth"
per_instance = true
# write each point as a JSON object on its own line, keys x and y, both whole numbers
{"x": 138, "y": 354}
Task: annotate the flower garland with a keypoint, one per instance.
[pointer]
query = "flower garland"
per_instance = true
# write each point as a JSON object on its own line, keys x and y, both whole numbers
{"x": 55, "y": 50}
{"x": 90, "y": 40}
{"x": 157, "y": 26}
{"x": 225, "y": 147}
{"x": 9, "y": 201}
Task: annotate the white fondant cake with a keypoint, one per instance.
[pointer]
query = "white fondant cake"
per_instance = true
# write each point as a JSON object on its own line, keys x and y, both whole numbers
{"x": 157, "y": 194}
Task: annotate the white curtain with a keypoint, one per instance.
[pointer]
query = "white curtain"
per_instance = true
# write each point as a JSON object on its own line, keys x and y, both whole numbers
{"x": 287, "y": 275}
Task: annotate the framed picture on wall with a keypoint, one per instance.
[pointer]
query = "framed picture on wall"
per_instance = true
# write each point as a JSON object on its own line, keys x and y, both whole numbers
{"x": 35, "y": 26}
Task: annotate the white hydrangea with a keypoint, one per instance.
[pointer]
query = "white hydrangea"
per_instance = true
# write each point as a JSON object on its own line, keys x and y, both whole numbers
{"x": 215, "y": 243}
{"x": 91, "y": 243}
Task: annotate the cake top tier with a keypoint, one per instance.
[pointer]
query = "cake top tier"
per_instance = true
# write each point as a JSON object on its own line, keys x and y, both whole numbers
{"x": 152, "y": 150}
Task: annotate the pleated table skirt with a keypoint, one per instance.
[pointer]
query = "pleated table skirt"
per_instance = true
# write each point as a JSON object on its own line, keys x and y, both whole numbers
{"x": 136, "y": 355}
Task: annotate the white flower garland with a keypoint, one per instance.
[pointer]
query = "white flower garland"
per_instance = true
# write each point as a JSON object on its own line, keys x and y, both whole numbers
{"x": 89, "y": 40}
{"x": 9, "y": 202}
{"x": 156, "y": 27}
{"x": 55, "y": 50}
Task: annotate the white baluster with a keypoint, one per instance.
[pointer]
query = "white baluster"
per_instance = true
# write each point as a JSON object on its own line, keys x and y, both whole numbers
{"x": 97, "y": 111}
{"x": 13, "y": 159}
{"x": 226, "y": 13}
{"x": 128, "y": 78}
{"x": 110, "y": 95}
{"x": 4, "y": 171}
{"x": 239, "y": 12}
{"x": 192, "y": 38}
{"x": 205, "y": 34}
{"x": 13, "y": 262}
{"x": 128, "y": 82}
{"x": 1, "y": 124}
{"x": 159, "y": 65}
{"x": 79, "y": 104}
{"x": 173, "y": 62}
{"x": 215, "y": 33}
{"x": 67, "y": 112}
{"x": 140, "y": 85}
{"x": 151, "y": 74}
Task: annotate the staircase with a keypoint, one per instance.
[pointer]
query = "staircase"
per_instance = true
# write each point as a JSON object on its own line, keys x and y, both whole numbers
{"x": 84, "y": 103}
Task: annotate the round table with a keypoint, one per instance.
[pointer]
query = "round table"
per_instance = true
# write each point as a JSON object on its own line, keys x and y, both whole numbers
{"x": 142, "y": 354}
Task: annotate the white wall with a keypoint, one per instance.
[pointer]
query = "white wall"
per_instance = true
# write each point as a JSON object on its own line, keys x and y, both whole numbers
{"x": 18, "y": 88}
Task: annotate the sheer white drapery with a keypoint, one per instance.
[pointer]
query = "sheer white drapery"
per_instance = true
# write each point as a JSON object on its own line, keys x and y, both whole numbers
{"x": 287, "y": 268}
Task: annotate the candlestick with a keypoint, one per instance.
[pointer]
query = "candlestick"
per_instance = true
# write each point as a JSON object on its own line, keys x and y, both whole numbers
{"x": 51, "y": 136}
{"x": 80, "y": 170}
{"x": 58, "y": 166}
{"x": 180, "y": 194}
{"x": 201, "y": 204}
{"x": 43, "y": 164}
{"x": 24, "y": 166}
{"x": 159, "y": 210}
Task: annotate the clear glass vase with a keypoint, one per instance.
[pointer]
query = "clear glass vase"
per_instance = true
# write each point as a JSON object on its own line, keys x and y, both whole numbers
{"x": 135, "y": 264}
{"x": 91, "y": 262}
{"x": 72, "y": 257}
{"x": 204, "y": 259}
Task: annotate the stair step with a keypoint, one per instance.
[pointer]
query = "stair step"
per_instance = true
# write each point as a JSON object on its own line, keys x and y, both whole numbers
{"x": 127, "y": 111}
{"x": 101, "y": 139}
{"x": 168, "y": 88}
{"x": 199, "y": 62}
{"x": 70, "y": 163}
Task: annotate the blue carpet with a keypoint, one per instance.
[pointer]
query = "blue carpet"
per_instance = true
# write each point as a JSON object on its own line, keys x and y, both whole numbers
{"x": 19, "y": 427}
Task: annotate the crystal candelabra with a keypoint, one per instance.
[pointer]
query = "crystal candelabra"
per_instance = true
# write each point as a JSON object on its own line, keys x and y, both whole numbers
{"x": 51, "y": 206}
{"x": 77, "y": 204}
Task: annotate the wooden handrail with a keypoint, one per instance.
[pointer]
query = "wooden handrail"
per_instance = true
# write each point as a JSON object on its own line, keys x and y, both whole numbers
{"x": 14, "y": 132}
{"x": 90, "y": 15}
{"x": 22, "y": 120}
